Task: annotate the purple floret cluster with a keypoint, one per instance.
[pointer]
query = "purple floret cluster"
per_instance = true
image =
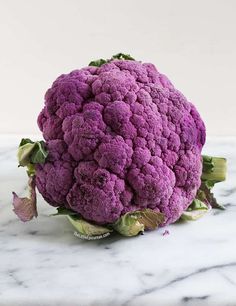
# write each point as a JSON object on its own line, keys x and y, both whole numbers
{"x": 120, "y": 138}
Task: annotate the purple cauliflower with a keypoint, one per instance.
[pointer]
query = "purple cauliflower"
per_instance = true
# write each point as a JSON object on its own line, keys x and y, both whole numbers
{"x": 120, "y": 138}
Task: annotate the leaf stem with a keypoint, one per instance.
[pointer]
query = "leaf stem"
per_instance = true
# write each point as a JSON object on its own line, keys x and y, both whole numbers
{"x": 214, "y": 169}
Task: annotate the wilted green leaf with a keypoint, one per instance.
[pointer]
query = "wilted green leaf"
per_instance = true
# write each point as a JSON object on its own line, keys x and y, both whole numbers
{"x": 193, "y": 215}
{"x": 86, "y": 228}
{"x": 26, "y": 208}
{"x": 128, "y": 225}
{"x": 150, "y": 219}
{"x": 196, "y": 210}
{"x": 132, "y": 223}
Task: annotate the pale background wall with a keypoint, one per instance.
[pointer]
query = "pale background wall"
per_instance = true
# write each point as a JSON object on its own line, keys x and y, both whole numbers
{"x": 192, "y": 42}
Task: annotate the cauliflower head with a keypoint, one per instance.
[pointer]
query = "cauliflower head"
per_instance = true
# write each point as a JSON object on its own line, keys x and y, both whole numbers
{"x": 120, "y": 138}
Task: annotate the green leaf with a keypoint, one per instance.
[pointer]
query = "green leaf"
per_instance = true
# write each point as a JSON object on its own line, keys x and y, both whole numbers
{"x": 205, "y": 195}
{"x": 25, "y": 141}
{"x": 196, "y": 210}
{"x": 193, "y": 215}
{"x": 82, "y": 226}
{"x": 24, "y": 153}
{"x": 40, "y": 153}
{"x": 133, "y": 223}
{"x": 207, "y": 164}
{"x": 30, "y": 152}
{"x": 128, "y": 225}
{"x": 197, "y": 205}
{"x": 122, "y": 56}
{"x": 88, "y": 229}
{"x": 65, "y": 211}
{"x": 213, "y": 171}
{"x": 119, "y": 56}
{"x": 209, "y": 184}
{"x": 98, "y": 63}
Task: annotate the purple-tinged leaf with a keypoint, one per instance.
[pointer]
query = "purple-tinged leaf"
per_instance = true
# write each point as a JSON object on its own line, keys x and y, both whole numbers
{"x": 25, "y": 208}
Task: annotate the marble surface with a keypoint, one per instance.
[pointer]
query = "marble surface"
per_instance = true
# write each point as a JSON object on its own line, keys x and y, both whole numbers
{"x": 43, "y": 263}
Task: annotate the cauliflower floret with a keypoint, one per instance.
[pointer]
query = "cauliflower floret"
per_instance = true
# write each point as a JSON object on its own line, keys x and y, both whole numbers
{"x": 120, "y": 138}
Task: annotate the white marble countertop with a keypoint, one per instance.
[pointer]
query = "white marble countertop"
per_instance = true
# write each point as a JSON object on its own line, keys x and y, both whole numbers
{"x": 43, "y": 263}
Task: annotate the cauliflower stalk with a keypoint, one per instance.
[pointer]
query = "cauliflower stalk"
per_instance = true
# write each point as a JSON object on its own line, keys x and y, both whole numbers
{"x": 122, "y": 150}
